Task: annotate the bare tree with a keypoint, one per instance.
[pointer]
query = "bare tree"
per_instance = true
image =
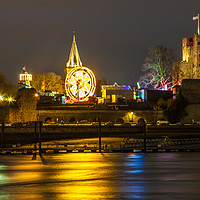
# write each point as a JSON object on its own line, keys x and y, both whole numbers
{"x": 157, "y": 68}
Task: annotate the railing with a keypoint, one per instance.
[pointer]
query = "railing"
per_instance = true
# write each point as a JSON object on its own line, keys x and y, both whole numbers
{"x": 136, "y": 142}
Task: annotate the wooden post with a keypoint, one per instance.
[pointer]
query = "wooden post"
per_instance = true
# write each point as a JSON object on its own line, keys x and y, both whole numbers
{"x": 144, "y": 131}
{"x": 99, "y": 136}
{"x": 40, "y": 131}
{"x": 142, "y": 123}
{"x": 35, "y": 132}
{"x": 2, "y": 134}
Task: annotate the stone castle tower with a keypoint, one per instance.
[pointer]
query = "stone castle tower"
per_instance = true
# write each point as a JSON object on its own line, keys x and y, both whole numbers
{"x": 74, "y": 58}
{"x": 189, "y": 66}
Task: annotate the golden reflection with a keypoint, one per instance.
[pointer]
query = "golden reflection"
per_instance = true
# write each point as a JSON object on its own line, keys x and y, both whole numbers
{"x": 65, "y": 176}
{"x": 85, "y": 177}
{"x": 85, "y": 190}
{"x": 29, "y": 176}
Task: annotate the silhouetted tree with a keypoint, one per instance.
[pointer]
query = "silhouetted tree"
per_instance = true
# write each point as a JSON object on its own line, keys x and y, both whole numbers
{"x": 6, "y": 88}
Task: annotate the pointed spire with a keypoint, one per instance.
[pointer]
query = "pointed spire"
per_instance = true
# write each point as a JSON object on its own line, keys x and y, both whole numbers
{"x": 74, "y": 58}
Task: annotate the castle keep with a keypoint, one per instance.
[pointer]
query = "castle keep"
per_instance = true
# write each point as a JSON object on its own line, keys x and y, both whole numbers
{"x": 189, "y": 66}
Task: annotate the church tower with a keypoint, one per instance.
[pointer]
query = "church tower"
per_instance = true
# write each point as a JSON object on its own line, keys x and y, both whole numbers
{"x": 74, "y": 58}
{"x": 80, "y": 82}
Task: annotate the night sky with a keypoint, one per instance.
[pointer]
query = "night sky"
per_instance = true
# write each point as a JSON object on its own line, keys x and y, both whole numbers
{"x": 113, "y": 36}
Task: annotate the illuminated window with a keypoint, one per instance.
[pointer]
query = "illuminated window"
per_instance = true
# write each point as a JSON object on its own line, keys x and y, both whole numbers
{"x": 25, "y": 77}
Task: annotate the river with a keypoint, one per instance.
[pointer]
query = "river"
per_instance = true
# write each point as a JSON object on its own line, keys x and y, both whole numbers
{"x": 100, "y": 176}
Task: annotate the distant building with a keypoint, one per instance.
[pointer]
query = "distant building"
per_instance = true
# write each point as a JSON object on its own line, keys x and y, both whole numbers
{"x": 189, "y": 66}
{"x": 80, "y": 81}
{"x": 98, "y": 87}
{"x": 25, "y": 79}
{"x": 74, "y": 58}
{"x": 115, "y": 93}
{"x": 152, "y": 96}
{"x": 49, "y": 97}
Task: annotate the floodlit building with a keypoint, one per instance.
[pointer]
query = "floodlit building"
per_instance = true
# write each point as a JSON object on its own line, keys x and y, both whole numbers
{"x": 112, "y": 93}
{"x": 80, "y": 82}
{"x": 152, "y": 96}
{"x": 189, "y": 66}
{"x": 74, "y": 58}
{"x": 25, "y": 79}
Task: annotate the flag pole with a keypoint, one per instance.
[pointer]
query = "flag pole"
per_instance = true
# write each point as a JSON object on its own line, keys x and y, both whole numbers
{"x": 198, "y": 25}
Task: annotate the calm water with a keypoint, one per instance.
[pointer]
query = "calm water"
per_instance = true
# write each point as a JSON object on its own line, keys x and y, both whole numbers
{"x": 100, "y": 176}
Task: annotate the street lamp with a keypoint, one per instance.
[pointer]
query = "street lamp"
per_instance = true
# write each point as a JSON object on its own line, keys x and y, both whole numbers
{"x": 35, "y": 145}
{"x": 10, "y": 99}
{"x": 37, "y": 97}
{"x": 132, "y": 116}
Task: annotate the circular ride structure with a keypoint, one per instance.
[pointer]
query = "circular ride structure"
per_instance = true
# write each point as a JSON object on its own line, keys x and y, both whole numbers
{"x": 80, "y": 84}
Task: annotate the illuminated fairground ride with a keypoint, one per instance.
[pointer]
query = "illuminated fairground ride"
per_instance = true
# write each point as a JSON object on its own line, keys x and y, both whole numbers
{"x": 80, "y": 84}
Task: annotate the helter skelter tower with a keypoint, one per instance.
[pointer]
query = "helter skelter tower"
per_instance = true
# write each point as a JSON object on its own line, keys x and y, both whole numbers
{"x": 80, "y": 82}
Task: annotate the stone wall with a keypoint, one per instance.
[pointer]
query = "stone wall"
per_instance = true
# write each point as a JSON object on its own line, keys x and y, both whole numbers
{"x": 115, "y": 116}
{"x": 192, "y": 113}
{"x": 190, "y": 90}
{"x": 24, "y": 109}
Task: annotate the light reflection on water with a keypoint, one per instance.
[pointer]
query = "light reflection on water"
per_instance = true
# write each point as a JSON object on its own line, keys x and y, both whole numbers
{"x": 100, "y": 176}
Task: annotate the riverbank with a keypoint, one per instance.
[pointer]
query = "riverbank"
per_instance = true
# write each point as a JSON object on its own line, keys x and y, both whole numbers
{"x": 30, "y": 134}
{"x": 109, "y": 145}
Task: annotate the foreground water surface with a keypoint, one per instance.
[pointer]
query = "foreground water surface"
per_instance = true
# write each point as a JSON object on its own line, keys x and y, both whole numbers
{"x": 100, "y": 176}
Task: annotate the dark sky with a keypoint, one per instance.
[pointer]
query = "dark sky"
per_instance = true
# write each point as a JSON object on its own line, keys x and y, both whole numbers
{"x": 113, "y": 36}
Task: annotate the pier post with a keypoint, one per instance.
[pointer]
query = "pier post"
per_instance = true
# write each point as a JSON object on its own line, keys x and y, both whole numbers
{"x": 99, "y": 136}
{"x": 143, "y": 125}
{"x": 35, "y": 132}
{"x": 144, "y": 132}
{"x": 40, "y": 131}
{"x": 2, "y": 134}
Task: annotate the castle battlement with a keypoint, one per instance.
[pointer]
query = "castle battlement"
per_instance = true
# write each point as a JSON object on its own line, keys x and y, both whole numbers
{"x": 189, "y": 66}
